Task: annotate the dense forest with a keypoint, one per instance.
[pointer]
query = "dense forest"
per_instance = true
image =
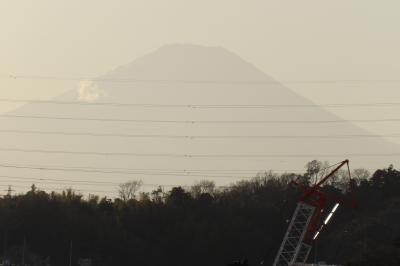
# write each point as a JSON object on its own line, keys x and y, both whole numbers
{"x": 201, "y": 225}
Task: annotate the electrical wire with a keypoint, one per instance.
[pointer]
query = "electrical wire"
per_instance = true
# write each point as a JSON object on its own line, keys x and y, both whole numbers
{"x": 194, "y": 137}
{"x": 204, "y": 106}
{"x": 130, "y": 173}
{"x": 183, "y": 81}
{"x": 131, "y": 170}
{"x": 176, "y": 155}
{"x": 49, "y": 181}
{"x": 201, "y": 121}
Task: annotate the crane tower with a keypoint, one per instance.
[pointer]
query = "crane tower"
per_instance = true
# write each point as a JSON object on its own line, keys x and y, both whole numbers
{"x": 305, "y": 225}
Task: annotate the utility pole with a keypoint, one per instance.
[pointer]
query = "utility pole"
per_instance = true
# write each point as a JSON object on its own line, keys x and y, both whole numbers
{"x": 9, "y": 191}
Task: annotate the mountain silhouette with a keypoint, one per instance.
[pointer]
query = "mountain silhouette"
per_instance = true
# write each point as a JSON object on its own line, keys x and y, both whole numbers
{"x": 194, "y": 76}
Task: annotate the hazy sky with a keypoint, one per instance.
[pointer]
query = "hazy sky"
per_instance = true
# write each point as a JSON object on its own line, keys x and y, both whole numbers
{"x": 289, "y": 40}
{"x": 307, "y": 40}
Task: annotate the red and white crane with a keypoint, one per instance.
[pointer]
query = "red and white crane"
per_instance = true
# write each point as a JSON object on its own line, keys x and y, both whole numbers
{"x": 307, "y": 221}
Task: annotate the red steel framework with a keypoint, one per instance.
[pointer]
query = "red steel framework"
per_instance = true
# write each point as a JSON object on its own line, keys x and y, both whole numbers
{"x": 306, "y": 224}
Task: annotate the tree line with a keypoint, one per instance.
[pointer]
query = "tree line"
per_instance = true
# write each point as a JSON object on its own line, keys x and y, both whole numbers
{"x": 200, "y": 225}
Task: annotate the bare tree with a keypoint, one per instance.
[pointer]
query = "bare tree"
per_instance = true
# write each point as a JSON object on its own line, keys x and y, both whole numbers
{"x": 203, "y": 187}
{"x": 314, "y": 171}
{"x": 360, "y": 175}
{"x": 127, "y": 190}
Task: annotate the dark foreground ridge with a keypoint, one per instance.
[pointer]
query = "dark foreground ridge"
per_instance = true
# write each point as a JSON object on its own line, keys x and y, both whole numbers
{"x": 198, "y": 226}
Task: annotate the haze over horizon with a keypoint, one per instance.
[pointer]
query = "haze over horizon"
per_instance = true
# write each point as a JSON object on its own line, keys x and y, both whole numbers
{"x": 289, "y": 41}
{"x": 51, "y": 48}
{"x": 157, "y": 124}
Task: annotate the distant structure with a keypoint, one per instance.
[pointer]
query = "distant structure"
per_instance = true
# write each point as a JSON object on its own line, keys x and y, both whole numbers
{"x": 9, "y": 191}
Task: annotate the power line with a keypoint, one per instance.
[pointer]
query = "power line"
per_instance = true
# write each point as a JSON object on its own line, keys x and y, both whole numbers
{"x": 194, "y": 137}
{"x": 152, "y": 173}
{"x": 183, "y": 81}
{"x": 201, "y": 121}
{"x": 174, "y": 155}
{"x": 68, "y": 182}
{"x": 61, "y": 189}
{"x": 133, "y": 170}
{"x": 52, "y": 181}
{"x": 204, "y": 106}
{"x": 19, "y": 179}
{"x": 63, "y": 181}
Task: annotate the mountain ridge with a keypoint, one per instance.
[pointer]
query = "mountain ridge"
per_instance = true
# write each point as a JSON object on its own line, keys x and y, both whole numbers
{"x": 171, "y": 64}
